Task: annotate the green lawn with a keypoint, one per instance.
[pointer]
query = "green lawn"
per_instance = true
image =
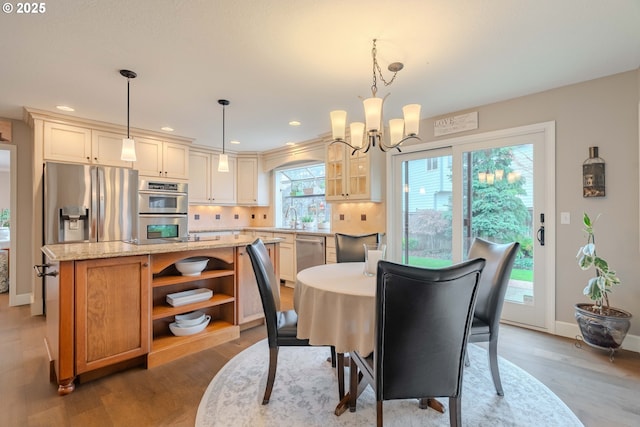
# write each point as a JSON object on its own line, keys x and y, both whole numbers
{"x": 516, "y": 274}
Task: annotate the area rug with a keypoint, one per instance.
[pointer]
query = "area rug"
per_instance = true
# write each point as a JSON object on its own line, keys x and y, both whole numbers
{"x": 305, "y": 393}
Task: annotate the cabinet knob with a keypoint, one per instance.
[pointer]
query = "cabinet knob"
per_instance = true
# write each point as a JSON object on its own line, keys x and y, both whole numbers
{"x": 160, "y": 173}
{"x": 88, "y": 158}
{"x": 95, "y": 158}
{"x": 146, "y": 264}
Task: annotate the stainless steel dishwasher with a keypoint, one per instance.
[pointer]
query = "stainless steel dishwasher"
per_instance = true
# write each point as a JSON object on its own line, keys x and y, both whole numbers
{"x": 309, "y": 251}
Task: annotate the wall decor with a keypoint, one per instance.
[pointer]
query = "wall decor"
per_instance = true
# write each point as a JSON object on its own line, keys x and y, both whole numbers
{"x": 593, "y": 175}
{"x": 455, "y": 124}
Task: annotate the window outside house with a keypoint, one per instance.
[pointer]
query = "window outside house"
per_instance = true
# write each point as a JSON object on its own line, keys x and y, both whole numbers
{"x": 300, "y": 201}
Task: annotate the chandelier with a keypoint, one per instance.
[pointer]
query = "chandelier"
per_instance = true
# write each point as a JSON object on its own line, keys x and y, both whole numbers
{"x": 400, "y": 130}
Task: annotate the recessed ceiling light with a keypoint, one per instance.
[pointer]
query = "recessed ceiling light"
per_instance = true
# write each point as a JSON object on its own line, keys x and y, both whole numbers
{"x": 64, "y": 108}
{"x": 290, "y": 143}
{"x": 235, "y": 142}
{"x": 294, "y": 123}
{"x": 167, "y": 129}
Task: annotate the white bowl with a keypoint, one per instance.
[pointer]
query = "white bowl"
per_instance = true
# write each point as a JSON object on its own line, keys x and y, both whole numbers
{"x": 192, "y": 266}
{"x": 181, "y": 331}
{"x": 190, "y": 319}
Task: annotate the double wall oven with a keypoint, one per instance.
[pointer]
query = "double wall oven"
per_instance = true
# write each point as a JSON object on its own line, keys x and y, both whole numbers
{"x": 163, "y": 207}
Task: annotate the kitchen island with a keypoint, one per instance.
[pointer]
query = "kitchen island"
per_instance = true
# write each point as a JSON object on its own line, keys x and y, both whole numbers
{"x": 107, "y": 309}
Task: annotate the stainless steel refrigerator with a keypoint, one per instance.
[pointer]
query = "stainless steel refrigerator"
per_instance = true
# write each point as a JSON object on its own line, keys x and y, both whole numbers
{"x": 84, "y": 203}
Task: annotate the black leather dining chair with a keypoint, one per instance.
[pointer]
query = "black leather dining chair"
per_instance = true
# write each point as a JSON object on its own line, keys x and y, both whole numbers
{"x": 349, "y": 248}
{"x": 423, "y": 318}
{"x": 282, "y": 326}
{"x": 491, "y": 292}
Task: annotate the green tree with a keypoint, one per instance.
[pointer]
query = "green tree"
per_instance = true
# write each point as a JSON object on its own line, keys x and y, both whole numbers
{"x": 497, "y": 211}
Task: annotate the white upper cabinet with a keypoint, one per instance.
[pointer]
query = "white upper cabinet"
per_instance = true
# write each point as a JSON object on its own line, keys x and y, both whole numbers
{"x": 207, "y": 186}
{"x": 223, "y": 184}
{"x": 253, "y": 184}
{"x": 67, "y": 143}
{"x": 106, "y": 149}
{"x": 161, "y": 158}
{"x": 199, "y": 177}
{"x": 77, "y": 144}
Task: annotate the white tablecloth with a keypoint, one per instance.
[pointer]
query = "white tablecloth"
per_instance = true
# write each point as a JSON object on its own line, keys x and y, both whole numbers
{"x": 336, "y": 306}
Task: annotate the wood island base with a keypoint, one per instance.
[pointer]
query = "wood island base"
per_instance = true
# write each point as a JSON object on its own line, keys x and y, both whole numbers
{"x": 109, "y": 313}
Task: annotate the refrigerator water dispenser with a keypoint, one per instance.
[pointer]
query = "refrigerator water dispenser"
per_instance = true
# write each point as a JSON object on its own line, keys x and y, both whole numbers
{"x": 74, "y": 224}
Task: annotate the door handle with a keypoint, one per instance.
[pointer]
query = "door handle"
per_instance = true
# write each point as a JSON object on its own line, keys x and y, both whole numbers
{"x": 40, "y": 270}
{"x": 540, "y": 234}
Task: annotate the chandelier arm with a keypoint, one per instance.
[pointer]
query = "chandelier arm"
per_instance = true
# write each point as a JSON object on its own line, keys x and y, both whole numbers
{"x": 397, "y": 144}
{"x": 353, "y": 147}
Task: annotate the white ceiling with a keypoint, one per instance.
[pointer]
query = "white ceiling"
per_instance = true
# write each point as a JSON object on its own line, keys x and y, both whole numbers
{"x": 282, "y": 60}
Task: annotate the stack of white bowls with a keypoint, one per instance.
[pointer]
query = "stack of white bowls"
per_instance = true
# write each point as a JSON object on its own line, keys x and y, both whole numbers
{"x": 189, "y": 323}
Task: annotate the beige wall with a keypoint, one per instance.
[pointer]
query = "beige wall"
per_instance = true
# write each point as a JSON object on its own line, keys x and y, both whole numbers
{"x": 5, "y": 192}
{"x": 21, "y": 138}
{"x": 604, "y": 113}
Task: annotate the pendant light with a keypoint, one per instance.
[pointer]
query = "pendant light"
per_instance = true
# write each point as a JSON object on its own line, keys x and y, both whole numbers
{"x": 223, "y": 162}
{"x": 128, "y": 144}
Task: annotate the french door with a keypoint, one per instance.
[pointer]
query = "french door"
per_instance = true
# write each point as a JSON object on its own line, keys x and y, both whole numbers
{"x": 497, "y": 186}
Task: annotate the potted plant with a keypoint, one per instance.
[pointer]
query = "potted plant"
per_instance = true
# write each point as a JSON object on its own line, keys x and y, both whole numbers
{"x": 307, "y": 221}
{"x": 601, "y": 326}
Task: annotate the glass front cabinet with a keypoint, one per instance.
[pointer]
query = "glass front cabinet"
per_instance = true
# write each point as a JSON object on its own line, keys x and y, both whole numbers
{"x": 353, "y": 177}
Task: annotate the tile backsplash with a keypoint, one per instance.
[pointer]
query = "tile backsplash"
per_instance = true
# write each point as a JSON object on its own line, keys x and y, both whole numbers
{"x": 358, "y": 218}
{"x": 213, "y": 217}
{"x": 352, "y": 218}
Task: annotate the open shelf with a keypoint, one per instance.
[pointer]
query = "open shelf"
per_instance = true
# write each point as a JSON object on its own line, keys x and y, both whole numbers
{"x": 166, "y": 348}
{"x": 162, "y": 311}
{"x": 219, "y": 278}
{"x": 207, "y": 274}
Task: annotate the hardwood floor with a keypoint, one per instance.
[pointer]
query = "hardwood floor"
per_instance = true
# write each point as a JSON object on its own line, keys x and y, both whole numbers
{"x": 599, "y": 392}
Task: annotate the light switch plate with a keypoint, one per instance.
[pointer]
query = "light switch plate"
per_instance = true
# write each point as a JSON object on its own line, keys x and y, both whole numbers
{"x": 565, "y": 218}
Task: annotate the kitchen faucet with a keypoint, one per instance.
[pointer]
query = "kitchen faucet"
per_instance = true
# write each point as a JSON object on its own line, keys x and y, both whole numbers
{"x": 295, "y": 216}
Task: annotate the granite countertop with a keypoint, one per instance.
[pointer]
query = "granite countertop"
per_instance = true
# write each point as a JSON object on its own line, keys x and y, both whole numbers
{"x": 315, "y": 232}
{"x": 80, "y": 251}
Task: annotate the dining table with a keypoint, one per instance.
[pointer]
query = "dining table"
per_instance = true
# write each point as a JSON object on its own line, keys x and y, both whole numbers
{"x": 336, "y": 306}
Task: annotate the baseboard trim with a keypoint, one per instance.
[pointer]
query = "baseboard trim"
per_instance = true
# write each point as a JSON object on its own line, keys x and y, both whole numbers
{"x": 20, "y": 299}
{"x": 571, "y": 330}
